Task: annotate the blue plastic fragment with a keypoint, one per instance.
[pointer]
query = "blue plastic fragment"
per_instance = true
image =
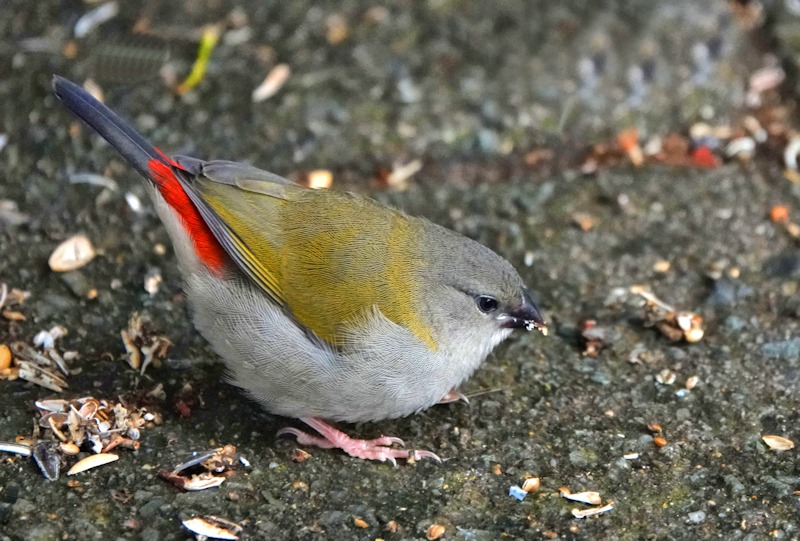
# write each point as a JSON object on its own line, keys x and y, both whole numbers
{"x": 517, "y": 493}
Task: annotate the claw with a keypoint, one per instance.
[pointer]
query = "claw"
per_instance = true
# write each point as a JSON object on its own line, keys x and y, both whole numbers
{"x": 454, "y": 396}
{"x": 418, "y": 455}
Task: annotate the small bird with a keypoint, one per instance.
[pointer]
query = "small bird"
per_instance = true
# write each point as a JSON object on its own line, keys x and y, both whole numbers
{"x": 325, "y": 306}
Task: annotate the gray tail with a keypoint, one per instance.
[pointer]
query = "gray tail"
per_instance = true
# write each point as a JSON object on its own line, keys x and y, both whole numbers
{"x": 119, "y": 133}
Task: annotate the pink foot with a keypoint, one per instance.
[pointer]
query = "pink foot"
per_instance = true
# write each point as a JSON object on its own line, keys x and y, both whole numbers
{"x": 377, "y": 449}
{"x": 453, "y": 396}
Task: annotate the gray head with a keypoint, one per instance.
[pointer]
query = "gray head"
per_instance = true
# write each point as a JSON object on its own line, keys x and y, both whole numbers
{"x": 476, "y": 295}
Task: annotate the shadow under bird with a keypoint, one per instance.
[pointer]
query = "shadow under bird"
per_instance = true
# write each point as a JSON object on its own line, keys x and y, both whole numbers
{"x": 325, "y": 306}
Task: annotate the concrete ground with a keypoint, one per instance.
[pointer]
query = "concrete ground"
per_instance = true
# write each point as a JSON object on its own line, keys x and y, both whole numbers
{"x": 501, "y": 105}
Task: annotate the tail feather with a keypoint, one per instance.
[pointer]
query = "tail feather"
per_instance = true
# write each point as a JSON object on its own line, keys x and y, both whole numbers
{"x": 119, "y": 133}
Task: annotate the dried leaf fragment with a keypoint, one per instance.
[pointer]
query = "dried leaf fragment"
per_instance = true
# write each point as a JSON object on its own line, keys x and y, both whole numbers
{"x": 779, "y": 443}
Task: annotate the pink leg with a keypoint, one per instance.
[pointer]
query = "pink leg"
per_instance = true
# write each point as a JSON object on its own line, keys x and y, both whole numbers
{"x": 453, "y": 396}
{"x": 331, "y": 438}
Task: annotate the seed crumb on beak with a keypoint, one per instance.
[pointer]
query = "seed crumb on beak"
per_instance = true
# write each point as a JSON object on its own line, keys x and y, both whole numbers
{"x": 533, "y": 326}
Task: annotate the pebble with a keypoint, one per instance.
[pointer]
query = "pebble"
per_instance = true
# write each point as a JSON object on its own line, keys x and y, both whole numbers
{"x": 784, "y": 349}
{"x": 697, "y": 516}
{"x": 735, "y": 323}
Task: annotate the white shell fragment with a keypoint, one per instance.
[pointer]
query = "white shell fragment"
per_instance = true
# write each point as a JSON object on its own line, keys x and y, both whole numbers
{"x": 213, "y": 527}
{"x": 779, "y": 443}
{"x": 92, "y": 461}
{"x": 583, "y": 513}
{"x": 72, "y": 254}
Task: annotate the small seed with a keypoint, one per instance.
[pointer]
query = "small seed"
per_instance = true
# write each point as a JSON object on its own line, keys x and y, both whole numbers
{"x": 92, "y": 461}
{"x": 531, "y": 485}
{"x": 435, "y": 531}
{"x": 72, "y": 254}
{"x": 5, "y": 357}
{"x": 779, "y": 443}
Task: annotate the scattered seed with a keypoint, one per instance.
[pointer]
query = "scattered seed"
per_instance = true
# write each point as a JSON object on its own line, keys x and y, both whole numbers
{"x": 694, "y": 335}
{"x": 273, "y": 82}
{"x": 659, "y": 441}
{"x": 531, "y": 485}
{"x": 91, "y": 86}
{"x": 360, "y": 523}
{"x": 336, "y": 28}
{"x": 529, "y": 257}
{"x": 72, "y": 254}
{"x": 69, "y": 448}
{"x": 398, "y": 178}
{"x": 5, "y": 357}
{"x": 583, "y": 220}
{"x": 92, "y": 461}
{"x": 152, "y": 280}
{"x": 435, "y": 531}
{"x": 213, "y": 527}
{"x": 591, "y": 498}
{"x": 630, "y": 456}
{"x": 691, "y": 382}
{"x": 298, "y": 455}
{"x": 779, "y": 443}
{"x": 666, "y": 377}
{"x": 583, "y": 513}
{"x": 662, "y": 266}
{"x": 320, "y": 179}
{"x": 628, "y": 141}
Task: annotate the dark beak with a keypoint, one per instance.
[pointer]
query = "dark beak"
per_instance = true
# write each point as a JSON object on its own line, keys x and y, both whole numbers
{"x": 526, "y": 316}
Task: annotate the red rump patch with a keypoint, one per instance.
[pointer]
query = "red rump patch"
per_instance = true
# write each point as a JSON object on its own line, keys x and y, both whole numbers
{"x": 208, "y": 249}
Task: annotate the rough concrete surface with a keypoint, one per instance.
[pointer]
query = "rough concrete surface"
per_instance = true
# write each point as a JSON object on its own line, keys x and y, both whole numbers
{"x": 470, "y": 89}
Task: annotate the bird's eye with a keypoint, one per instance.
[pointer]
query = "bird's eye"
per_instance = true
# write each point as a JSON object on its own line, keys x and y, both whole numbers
{"x": 487, "y": 304}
